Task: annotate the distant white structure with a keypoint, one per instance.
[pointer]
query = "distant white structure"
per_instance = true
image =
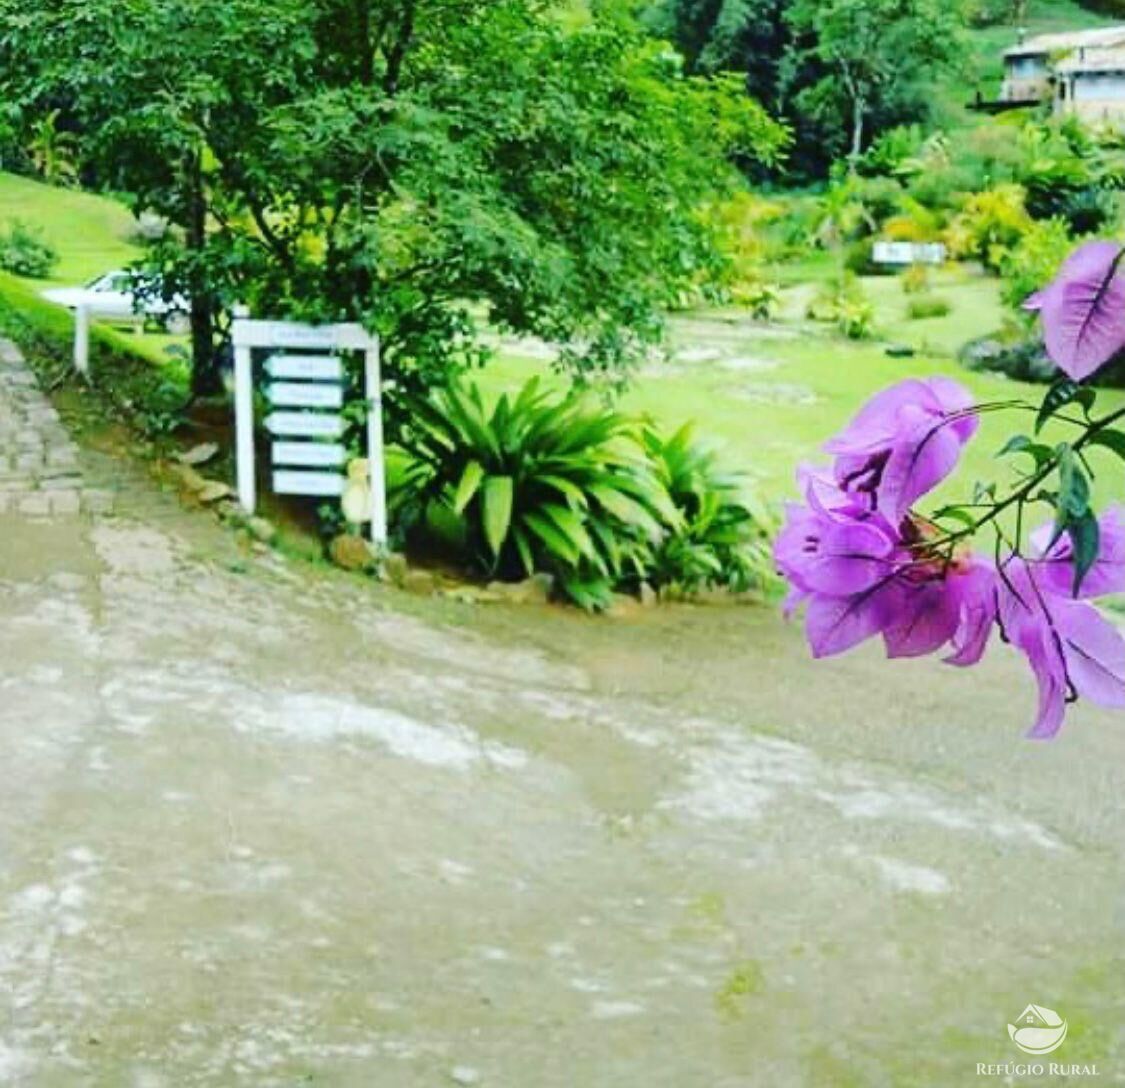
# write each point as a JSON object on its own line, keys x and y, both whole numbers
{"x": 907, "y": 253}
{"x": 1081, "y": 72}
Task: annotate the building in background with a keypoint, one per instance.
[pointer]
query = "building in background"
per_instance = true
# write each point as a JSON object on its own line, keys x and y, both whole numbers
{"x": 1090, "y": 84}
{"x": 1081, "y": 71}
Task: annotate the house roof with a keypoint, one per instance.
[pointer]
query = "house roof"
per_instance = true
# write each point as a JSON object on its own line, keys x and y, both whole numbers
{"x": 1093, "y": 60}
{"x": 1045, "y": 44}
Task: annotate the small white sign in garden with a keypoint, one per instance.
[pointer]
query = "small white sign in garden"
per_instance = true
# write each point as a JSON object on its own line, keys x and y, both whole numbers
{"x": 903, "y": 253}
{"x": 305, "y": 375}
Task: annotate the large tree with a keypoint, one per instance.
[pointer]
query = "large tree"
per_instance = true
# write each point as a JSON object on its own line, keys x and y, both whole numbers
{"x": 875, "y": 51}
{"x": 840, "y": 70}
{"x": 424, "y": 166}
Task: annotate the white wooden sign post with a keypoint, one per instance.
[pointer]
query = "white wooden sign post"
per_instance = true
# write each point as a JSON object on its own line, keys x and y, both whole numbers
{"x": 306, "y": 397}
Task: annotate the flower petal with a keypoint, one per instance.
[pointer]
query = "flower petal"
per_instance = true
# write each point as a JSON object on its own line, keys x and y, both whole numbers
{"x": 1083, "y": 310}
{"x": 836, "y": 624}
{"x": 929, "y": 618}
{"x": 1095, "y": 653}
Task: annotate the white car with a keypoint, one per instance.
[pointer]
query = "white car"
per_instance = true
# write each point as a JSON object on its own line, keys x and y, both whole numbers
{"x": 114, "y": 295}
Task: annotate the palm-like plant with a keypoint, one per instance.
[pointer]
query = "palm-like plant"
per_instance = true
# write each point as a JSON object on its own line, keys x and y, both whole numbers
{"x": 543, "y": 483}
{"x": 53, "y": 151}
{"x": 724, "y": 537}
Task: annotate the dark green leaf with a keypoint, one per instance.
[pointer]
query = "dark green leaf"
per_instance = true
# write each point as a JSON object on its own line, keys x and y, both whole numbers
{"x": 1085, "y": 539}
{"x": 1020, "y": 443}
{"x": 1110, "y": 440}
{"x": 1064, "y": 391}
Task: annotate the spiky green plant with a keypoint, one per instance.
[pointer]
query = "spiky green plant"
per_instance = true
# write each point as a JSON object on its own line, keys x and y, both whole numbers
{"x": 723, "y": 538}
{"x": 543, "y": 482}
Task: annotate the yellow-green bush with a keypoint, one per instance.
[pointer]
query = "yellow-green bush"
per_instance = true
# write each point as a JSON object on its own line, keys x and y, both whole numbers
{"x": 989, "y": 225}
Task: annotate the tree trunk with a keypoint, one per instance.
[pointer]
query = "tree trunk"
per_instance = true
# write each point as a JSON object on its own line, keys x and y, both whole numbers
{"x": 859, "y": 110}
{"x": 205, "y": 377}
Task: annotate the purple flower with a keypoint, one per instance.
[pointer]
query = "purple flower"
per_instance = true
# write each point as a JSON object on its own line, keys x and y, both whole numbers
{"x": 903, "y": 443}
{"x": 1083, "y": 310}
{"x": 1055, "y": 562}
{"x": 976, "y": 591}
{"x": 1072, "y": 649}
{"x": 861, "y": 577}
{"x": 952, "y": 604}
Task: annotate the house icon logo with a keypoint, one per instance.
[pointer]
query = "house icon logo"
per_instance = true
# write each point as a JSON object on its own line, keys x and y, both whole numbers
{"x": 1038, "y": 1030}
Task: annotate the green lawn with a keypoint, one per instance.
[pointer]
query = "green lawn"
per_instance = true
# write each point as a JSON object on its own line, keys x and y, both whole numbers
{"x": 771, "y": 396}
{"x": 90, "y": 233}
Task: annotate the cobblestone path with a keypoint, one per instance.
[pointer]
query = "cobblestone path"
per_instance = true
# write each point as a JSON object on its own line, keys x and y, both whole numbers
{"x": 40, "y": 467}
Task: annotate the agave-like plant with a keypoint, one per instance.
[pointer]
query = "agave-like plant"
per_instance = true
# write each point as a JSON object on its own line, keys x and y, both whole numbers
{"x": 723, "y": 538}
{"x": 544, "y": 482}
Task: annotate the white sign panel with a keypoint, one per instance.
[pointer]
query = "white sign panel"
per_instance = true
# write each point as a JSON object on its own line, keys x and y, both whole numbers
{"x": 309, "y": 368}
{"x": 908, "y": 253}
{"x": 306, "y": 395}
{"x": 311, "y": 454}
{"x": 304, "y": 424}
{"x": 327, "y": 484}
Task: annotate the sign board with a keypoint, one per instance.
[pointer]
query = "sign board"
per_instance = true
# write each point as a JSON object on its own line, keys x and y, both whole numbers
{"x": 908, "y": 253}
{"x": 309, "y": 454}
{"x": 309, "y": 368}
{"x": 307, "y": 397}
{"x": 289, "y": 482}
{"x": 306, "y": 394}
{"x": 305, "y": 424}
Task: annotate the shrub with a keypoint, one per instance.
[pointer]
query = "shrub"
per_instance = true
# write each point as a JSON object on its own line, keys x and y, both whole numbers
{"x": 566, "y": 486}
{"x": 841, "y": 302}
{"x": 857, "y": 258}
{"x": 760, "y": 298}
{"x": 893, "y": 148}
{"x": 915, "y": 279}
{"x": 927, "y": 306}
{"x": 720, "y": 541}
{"x": 24, "y": 251}
{"x": 915, "y": 223}
{"x": 543, "y": 483}
{"x": 1034, "y": 261}
{"x": 990, "y": 225}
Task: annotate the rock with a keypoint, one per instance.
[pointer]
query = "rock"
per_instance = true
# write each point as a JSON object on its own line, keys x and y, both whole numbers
{"x": 623, "y": 607}
{"x": 1024, "y": 361}
{"x": 534, "y": 590}
{"x": 419, "y": 581}
{"x": 464, "y": 1075}
{"x": 648, "y": 596}
{"x": 198, "y": 455}
{"x": 213, "y": 491}
{"x": 395, "y": 568}
{"x": 188, "y": 478}
{"x": 261, "y": 529}
{"x": 350, "y": 552}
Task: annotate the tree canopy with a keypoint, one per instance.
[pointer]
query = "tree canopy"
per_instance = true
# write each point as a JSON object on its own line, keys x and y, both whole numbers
{"x": 423, "y": 166}
{"x": 839, "y": 70}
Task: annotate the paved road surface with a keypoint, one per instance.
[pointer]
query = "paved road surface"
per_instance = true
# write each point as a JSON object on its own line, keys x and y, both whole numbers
{"x": 265, "y": 825}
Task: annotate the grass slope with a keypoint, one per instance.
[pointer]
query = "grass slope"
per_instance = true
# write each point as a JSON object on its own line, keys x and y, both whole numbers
{"x": 90, "y": 233}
